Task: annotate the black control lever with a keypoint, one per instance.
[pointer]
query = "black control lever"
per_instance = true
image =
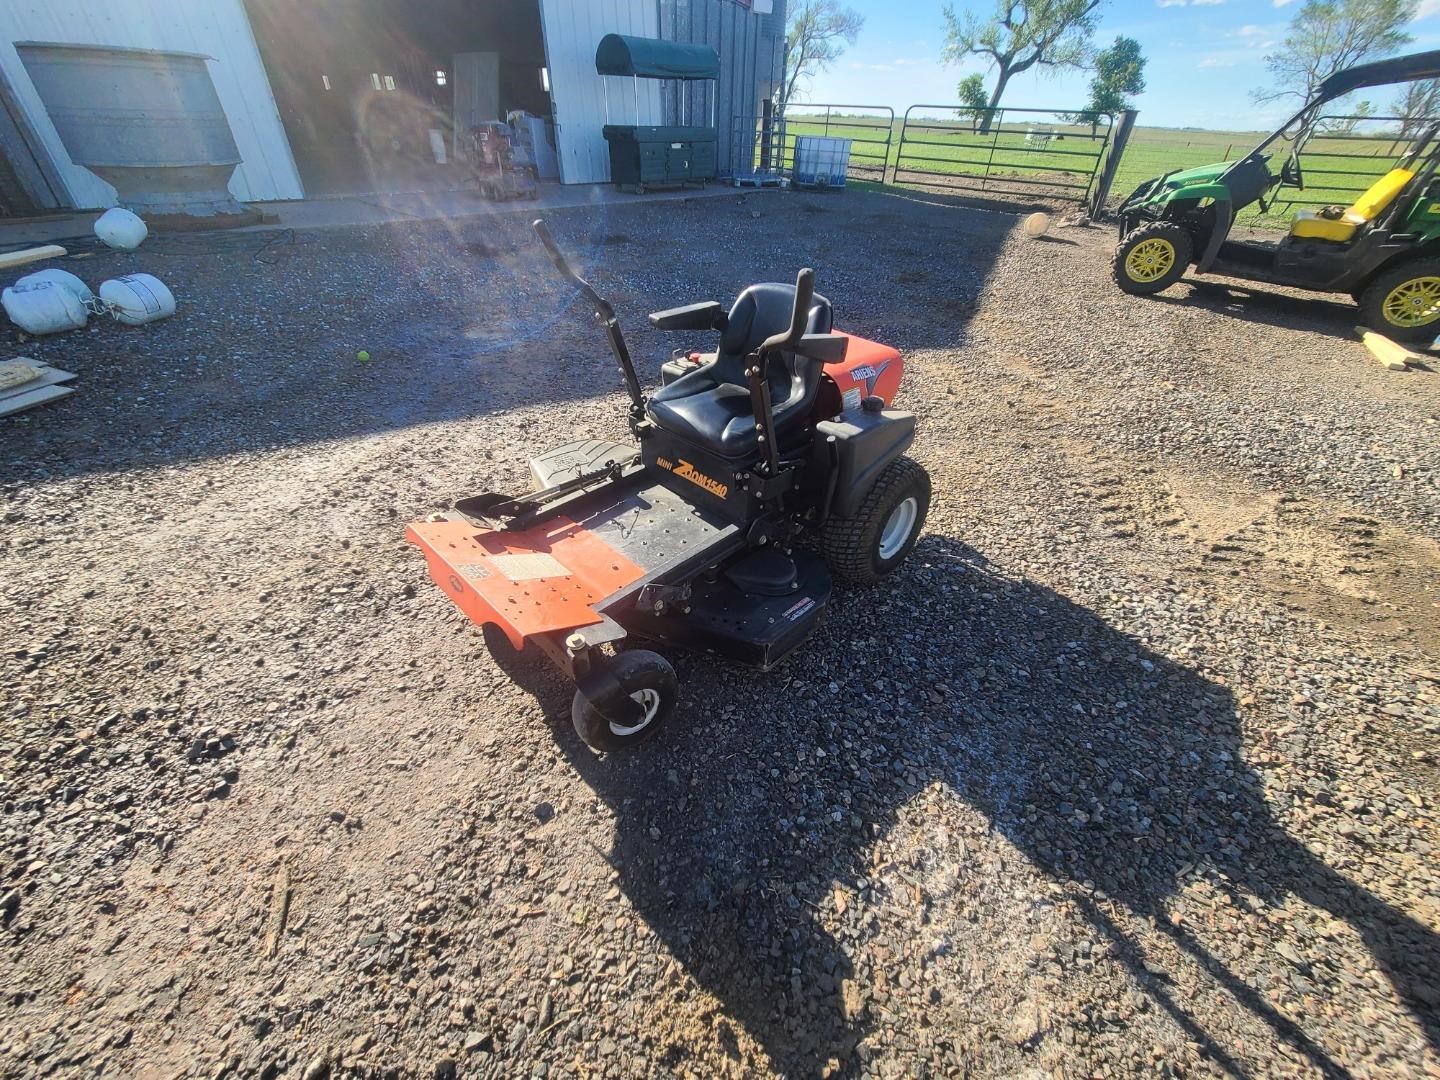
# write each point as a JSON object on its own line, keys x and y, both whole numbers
{"x": 757, "y": 370}
{"x": 799, "y": 316}
{"x": 604, "y": 311}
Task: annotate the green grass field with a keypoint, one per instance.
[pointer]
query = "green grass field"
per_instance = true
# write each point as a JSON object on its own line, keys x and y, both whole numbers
{"x": 1336, "y": 169}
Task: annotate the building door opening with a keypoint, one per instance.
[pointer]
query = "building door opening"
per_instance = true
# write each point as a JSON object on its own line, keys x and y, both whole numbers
{"x": 373, "y": 92}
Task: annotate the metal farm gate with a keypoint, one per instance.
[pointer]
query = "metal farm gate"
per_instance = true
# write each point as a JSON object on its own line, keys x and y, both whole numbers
{"x": 1036, "y": 155}
{"x": 1043, "y": 154}
{"x": 764, "y": 146}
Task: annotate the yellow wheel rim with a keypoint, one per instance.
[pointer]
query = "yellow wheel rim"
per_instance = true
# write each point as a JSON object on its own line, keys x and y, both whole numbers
{"x": 1150, "y": 259}
{"x": 1413, "y": 303}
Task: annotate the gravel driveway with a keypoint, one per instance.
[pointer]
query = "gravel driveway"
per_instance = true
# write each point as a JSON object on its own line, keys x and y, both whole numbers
{"x": 1131, "y": 770}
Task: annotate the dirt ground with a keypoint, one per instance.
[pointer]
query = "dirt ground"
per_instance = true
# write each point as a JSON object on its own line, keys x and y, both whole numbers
{"x": 1131, "y": 770}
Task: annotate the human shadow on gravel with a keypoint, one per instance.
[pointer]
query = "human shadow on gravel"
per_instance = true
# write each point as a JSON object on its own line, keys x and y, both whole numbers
{"x": 1105, "y": 763}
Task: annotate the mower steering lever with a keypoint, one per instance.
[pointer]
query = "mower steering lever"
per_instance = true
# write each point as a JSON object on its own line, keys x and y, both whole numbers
{"x": 605, "y": 312}
{"x": 799, "y": 316}
{"x": 757, "y": 369}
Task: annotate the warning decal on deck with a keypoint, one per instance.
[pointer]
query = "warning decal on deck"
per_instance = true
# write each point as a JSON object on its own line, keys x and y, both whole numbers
{"x": 529, "y": 567}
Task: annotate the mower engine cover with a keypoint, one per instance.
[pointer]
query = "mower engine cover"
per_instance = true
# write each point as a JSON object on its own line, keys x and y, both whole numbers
{"x": 869, "y": 369}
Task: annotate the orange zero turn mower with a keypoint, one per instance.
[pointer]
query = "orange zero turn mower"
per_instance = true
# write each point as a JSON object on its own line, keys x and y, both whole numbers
{"x": 688, "y": 536}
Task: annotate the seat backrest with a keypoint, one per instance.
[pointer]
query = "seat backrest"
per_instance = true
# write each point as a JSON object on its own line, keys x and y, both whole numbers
{"x": 765, "y": 309}
{"x": 1381, "y": 194}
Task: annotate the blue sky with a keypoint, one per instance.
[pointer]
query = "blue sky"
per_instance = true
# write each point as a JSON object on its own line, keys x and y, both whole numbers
{"x": 1205, "y": 56}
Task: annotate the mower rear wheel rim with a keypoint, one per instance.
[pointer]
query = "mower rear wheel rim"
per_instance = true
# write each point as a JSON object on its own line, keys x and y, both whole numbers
{"x": 898, "y": 527}
{"x": 647, "y": 699}
{"x": 1413, "y": 303}
{"x": 1150, "y": 259}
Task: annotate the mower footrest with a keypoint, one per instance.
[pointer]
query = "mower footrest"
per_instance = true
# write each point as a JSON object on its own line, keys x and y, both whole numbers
{"x": 574, "y": 459}
{"x": 747, "y": 627}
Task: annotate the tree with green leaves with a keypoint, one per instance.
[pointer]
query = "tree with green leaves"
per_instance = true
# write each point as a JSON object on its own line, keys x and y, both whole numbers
{"x": 817, "y": 35}
{"x": 972, "y": 99}
{"x": 1020, "y": 35}
{"x": 1327, "y": 36}
{"x": 1119, "y": 75}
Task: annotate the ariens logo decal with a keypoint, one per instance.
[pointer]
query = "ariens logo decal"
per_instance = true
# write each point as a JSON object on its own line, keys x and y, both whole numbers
{"x": 869, "y": 375}
{"x": 686, "y": 471}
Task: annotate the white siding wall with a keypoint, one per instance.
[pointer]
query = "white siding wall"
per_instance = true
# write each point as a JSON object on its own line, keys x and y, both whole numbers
{"x": 218, "y": 28}
{"x": 573, "y": 29}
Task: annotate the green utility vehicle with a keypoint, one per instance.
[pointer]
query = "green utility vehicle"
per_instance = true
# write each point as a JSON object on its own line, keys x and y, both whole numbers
{"x": 1384, "y": 251}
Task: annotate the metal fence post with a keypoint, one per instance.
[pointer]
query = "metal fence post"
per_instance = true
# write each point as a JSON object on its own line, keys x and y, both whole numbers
{"x": 1119, "y": 139}
{"x": 767, "y": 118}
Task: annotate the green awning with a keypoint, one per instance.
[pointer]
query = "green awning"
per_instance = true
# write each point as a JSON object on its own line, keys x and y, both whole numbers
{"x": 650, "y": 58}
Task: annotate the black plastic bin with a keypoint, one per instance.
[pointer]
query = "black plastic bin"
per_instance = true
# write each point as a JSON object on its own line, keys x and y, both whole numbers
{"x": 643, "y": 156}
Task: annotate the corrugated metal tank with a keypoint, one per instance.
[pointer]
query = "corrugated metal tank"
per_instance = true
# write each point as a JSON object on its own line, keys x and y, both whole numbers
{"x": 146, "y": 121}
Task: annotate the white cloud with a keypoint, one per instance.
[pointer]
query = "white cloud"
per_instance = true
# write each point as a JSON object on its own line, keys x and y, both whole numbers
{"x": 1428, "y": 8}
{"x": 1282, "y": 3}
{"x": 1256, "y": 37}
{"x": 1169, "y": 3}
{"x": 1216, "y": 62}
{"x": 1207, "y": 3}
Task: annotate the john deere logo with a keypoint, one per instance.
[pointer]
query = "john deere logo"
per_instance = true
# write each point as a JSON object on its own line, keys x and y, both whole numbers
{"x": 686, "y": 471}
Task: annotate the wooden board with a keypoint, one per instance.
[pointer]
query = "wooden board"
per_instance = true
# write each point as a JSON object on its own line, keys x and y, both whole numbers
{"x": 48, "y": 376}
{"x": 29, "y": 255}
{"x": 1392, "y": 355}
{"x": 17, "y": 372}
{"x": 30, "y": 398}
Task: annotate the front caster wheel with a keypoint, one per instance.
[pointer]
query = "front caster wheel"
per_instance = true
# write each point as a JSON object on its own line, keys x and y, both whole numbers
{"x": 650, "y": 682}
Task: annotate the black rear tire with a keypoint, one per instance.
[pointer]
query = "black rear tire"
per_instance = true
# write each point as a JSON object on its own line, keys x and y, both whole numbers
{"x": 650, "y": 680}
{"x": 1410, "y": 293}
{"x": 869, "y": 545}
{"x": 1161, "y": 261}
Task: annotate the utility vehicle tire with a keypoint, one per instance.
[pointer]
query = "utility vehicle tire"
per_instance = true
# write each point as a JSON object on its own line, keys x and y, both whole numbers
{"x": 868, "y": 546}
{"x": 1152, "y": 258}
{"x": 650, "y": 680}
{"x": 1404, "y": 303}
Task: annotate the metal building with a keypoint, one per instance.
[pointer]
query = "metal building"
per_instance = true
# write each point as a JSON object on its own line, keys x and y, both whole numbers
{"x": 351, "y": 96}
{"x": 751, "y": 44}
{"x": 40, "y": 173}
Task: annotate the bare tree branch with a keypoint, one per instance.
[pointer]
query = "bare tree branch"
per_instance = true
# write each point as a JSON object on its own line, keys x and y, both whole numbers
{"x": 818, "y": 32}
{"x": 1327, "y": 36}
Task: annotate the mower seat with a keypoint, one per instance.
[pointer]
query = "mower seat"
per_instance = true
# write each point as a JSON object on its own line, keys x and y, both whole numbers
{"x": 710, "y": 407}
{"x": 1309, "y": 225}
